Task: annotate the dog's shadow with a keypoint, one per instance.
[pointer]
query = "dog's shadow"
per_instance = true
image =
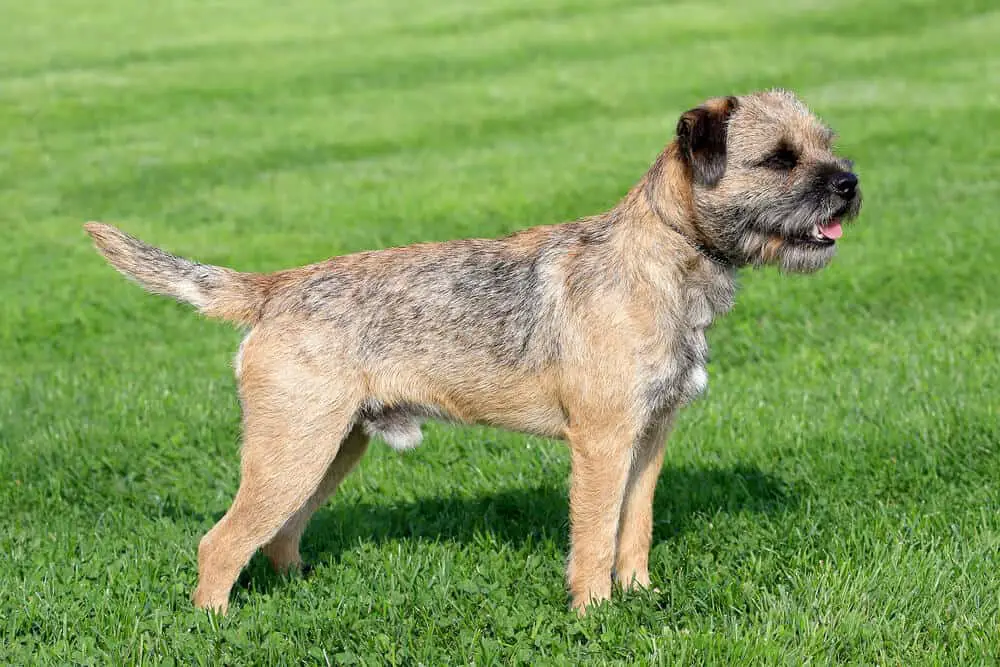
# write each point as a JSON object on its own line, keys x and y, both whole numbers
{"x": 517, "y": 516}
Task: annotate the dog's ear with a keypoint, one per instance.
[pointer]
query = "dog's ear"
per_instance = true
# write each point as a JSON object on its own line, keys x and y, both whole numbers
{"x": 701, "y": 137}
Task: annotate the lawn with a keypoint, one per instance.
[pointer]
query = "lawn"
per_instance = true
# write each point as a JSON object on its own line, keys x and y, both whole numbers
{"x": 833, "y": 498}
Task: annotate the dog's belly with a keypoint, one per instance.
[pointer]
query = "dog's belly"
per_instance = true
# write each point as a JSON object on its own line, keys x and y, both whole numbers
{"x": 399, "y": 426}
{"x": 525, "y": 407}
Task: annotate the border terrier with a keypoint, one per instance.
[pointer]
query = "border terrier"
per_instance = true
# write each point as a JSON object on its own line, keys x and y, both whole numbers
{"x": 590, "y": 331}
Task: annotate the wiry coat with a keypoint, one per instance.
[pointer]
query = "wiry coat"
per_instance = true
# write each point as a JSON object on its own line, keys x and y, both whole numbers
{"x": 591, "y": 331}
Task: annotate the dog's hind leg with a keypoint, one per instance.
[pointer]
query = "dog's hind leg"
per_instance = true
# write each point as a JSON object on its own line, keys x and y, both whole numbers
{"x": 295, "y": 420}
{"x": 283, "y": 549}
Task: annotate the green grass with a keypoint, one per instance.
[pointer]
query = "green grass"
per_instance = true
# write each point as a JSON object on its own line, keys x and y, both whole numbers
{"x": 834, "y": 498}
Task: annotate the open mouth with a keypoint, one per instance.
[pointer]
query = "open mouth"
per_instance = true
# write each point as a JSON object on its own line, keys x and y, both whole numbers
{"x": 829, "y": 232}
{"x": 825, "y": 234}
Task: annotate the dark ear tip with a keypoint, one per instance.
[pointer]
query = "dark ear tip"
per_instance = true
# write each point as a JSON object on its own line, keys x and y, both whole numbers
{"x": 701, "y": 137}
{"x": 684, "y": 125}
{"x": 689, "y": 120}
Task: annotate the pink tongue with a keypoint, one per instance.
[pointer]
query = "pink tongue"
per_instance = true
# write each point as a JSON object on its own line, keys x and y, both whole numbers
{"x": 832, "y": 230}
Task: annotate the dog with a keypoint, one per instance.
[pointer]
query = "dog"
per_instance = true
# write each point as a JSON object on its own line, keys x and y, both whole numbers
{"x": 590, "y": 331}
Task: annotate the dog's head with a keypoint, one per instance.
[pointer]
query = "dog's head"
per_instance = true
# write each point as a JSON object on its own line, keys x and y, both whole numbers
{"x": 766, "y": 186}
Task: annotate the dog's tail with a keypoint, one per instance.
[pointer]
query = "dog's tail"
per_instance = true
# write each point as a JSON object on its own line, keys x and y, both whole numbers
{"x": 214, "y": 290}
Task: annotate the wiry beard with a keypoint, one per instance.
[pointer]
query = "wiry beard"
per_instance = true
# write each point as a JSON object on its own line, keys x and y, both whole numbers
{"x": 791, "y": 257}
{"x": 760, "y": 232}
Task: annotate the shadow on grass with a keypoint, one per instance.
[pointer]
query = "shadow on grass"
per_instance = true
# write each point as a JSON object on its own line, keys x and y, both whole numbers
{"x": 518, "y": 516}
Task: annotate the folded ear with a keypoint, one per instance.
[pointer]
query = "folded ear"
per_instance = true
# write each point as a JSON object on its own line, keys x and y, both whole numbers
{"x": 701, "y": 136}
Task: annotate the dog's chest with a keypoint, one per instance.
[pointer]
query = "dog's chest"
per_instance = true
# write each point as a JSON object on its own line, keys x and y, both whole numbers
{"x": 693, "y": 349}
{"x": 678, "y": 374}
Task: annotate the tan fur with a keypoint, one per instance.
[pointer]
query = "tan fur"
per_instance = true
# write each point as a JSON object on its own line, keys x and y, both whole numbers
{"x": 591, "y": 331}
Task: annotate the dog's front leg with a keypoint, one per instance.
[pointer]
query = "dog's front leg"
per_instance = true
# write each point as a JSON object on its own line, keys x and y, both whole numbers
{"x": 601, "y": 460}
{"x": 635, "y": 532}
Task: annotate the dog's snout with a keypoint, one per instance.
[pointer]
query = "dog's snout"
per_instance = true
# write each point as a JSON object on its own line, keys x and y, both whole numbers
{"x": 844, "y": 184}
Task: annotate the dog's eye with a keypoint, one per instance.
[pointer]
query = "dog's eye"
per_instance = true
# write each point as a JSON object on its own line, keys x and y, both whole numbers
{"x": 782, "y": 159}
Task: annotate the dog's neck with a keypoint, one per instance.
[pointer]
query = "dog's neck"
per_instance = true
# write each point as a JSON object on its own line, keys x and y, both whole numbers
{"x": 665, "y": 193}
{"x": 654, "y": 233}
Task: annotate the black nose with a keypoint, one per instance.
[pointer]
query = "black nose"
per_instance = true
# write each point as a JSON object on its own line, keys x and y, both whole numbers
{"x": 844, "y": 184}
